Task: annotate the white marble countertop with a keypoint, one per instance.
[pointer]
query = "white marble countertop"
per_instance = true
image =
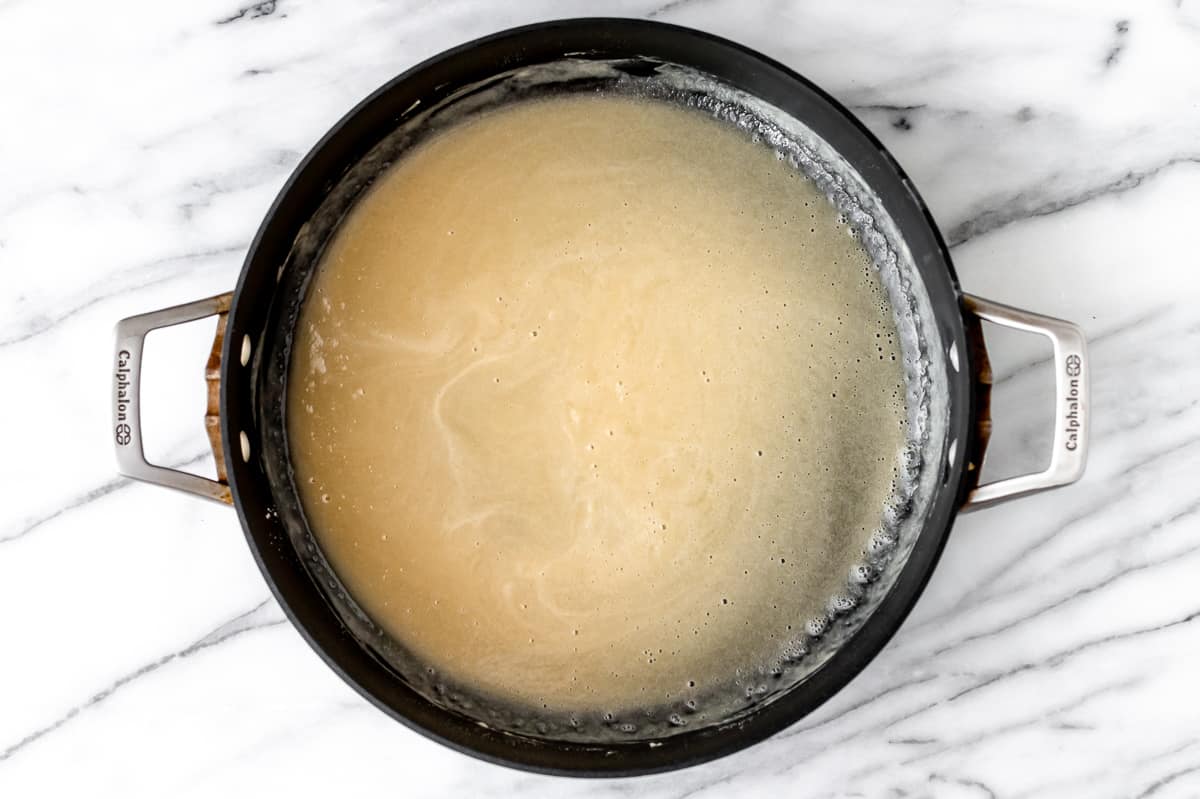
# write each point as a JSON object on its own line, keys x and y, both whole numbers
{"x": 1055, "y": 652}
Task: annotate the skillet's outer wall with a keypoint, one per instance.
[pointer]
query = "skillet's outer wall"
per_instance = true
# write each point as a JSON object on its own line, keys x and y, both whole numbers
{"x": 253, "y": 400}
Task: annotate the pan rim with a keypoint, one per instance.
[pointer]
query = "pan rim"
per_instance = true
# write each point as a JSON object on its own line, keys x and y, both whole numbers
{"x": 567, "y": 758}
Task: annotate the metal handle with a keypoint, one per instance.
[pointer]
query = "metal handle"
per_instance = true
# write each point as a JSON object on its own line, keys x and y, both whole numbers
{"x": 1069, "y": 455}
{"x": 127, "y": 417}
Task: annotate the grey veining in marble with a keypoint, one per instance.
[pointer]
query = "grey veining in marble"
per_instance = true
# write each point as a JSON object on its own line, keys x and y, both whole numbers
{"x": 1056, "y": 649}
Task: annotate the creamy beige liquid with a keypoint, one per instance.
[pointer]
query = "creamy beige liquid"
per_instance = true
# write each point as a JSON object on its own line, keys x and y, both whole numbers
{"x": 594, "y": 403}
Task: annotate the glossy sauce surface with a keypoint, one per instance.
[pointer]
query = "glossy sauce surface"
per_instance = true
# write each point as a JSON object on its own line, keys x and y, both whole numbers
{"x": 593, "y": 403}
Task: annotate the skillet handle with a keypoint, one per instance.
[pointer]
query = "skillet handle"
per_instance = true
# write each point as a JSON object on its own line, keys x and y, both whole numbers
{"x": 127, "y": 416}
{"x": 1071, "y": 404}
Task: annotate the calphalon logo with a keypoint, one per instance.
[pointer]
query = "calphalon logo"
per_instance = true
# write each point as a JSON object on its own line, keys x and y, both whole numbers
{"x": 1073, "y": 367}
{"x": 122, "y": 432}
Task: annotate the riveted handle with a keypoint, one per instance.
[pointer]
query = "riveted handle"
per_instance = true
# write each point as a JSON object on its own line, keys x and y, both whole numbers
{"x": 1071, "y": 407}
{"x": 127, "y": 417}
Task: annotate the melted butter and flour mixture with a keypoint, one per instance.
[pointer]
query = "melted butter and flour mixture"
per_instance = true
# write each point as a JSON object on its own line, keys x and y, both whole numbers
{"x": 594, "y": 403}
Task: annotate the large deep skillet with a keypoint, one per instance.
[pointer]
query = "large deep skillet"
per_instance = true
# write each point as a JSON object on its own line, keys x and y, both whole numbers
{"x": 946, "y": 367}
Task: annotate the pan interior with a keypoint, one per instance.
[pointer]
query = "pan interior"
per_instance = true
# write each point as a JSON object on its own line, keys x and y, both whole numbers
{"x": 925, "y": 388}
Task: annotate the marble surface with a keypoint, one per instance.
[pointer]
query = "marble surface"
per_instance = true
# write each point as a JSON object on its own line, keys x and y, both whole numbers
{"x": 1056, "y": 650}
